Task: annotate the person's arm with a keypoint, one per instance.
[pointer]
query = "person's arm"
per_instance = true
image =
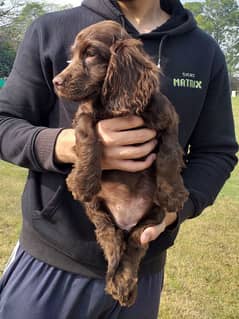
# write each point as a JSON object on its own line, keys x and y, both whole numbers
{"x": 212, "y": 151}
{"x": 25, "y": 102}
{"x": 213, "y": 146}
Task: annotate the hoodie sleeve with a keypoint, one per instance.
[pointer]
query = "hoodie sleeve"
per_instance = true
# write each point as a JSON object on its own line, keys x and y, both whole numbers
{"x": 213, "y": 146}
{"x": 25, "y": 102}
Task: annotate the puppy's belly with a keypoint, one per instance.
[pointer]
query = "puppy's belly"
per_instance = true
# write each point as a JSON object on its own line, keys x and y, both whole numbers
{"x": 127, "y": 196}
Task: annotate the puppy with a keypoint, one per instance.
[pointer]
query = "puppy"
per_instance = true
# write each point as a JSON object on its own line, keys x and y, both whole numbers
{"x": 110, "y": 75}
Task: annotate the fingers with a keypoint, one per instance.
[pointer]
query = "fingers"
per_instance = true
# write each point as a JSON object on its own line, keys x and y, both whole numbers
{"x": 133, "y": 137}
{"x": 117, "y": 131}
{"x": 136, "y": 166}
{"x": 121, "y": 145}
{"x": 130, "y": 152}
{"x": 115, "y": 138}
{"x": 121, "y": 123}
{"x": 151, "y": 233}
{"x": 129, "y": 165}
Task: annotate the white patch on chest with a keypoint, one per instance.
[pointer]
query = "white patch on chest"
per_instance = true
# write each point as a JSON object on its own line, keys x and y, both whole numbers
{"x": 129, "y": 211}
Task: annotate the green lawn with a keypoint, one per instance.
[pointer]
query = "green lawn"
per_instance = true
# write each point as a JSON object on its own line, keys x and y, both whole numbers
{"x": 202, "y": 274}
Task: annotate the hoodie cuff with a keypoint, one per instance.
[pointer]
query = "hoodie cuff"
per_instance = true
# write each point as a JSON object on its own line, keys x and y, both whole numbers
{"x": 187, "y": 211}
{"x": 44, "y": 148}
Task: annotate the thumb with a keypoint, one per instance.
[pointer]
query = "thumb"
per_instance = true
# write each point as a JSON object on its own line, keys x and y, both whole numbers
{"x": 152, "y": 232}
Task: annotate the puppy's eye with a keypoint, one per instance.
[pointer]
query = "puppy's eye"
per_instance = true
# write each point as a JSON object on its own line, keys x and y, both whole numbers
{"x": 68, "y": 61}
{"x": 90, "y": 53}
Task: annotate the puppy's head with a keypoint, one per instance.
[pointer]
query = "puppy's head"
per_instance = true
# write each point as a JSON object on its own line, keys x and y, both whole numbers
{"x": 106, "y": 62}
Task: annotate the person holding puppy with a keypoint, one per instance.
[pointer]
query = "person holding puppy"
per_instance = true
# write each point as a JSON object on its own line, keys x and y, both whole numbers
{"x": 58, "y": 267}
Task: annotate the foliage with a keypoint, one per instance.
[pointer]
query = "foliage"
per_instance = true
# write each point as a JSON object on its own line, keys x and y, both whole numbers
{"x": 28, "y": 14}
{"x": 7, "y": 54}
{"x": 220, "y": 19}
{"x": 30, "y": 11}
{"x": 14, "y": 20}
{"x": 8, "y": 11}
{"x": 196, "y": 7}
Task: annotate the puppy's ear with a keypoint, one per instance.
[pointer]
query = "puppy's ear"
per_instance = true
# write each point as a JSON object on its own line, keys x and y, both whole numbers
{"x": 131, "y": 78}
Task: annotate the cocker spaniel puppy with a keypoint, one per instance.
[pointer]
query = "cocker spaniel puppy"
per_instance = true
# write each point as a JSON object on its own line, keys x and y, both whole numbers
{"x": 110, "y": 75}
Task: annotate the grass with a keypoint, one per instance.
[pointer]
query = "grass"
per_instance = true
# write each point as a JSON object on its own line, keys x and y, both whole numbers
{"x": 11, "y": 185}
{"x": 202, "y": 272}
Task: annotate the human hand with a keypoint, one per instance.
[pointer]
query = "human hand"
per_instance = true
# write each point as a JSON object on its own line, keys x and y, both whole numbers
{"x": 120, "y": 147}
{"x": 117, "y": 140}
{"x": 152, "y": 232}
{"x": 64, "y": 147}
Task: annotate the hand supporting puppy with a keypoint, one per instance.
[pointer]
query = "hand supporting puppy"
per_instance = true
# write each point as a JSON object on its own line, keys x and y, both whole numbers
{"x": 151, "y": 233}
{"x": 118, "y": 141}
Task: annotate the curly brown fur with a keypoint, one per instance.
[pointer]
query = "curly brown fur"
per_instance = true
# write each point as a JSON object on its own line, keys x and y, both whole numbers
{"x": 111, "y": 75}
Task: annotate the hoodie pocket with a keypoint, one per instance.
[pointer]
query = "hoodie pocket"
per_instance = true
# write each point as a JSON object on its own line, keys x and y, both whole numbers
{"x": 50, "y": 208}
{"x": 62, "y": 223}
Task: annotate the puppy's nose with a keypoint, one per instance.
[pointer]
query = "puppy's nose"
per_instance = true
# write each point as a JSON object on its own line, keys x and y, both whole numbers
{"x": 58, "y": 81}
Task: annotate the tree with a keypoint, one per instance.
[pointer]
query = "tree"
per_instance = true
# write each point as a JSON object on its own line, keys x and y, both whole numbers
{"x": 14, "y": 21}
{"x": 196, "y": 7}
{"x": 8, "y": 11}
{"x": 28, "y": 13}
{"x": 220, "y": 19}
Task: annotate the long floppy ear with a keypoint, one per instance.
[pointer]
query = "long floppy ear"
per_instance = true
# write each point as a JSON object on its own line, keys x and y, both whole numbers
{"x": 131, "y": 78}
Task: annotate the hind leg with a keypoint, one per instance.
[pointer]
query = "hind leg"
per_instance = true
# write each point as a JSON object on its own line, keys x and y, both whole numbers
{"x": 123, "y": 285}
{"x": 109, "y": 237}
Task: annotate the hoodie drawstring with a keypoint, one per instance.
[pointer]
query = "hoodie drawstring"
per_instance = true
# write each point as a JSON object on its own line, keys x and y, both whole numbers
{"x": 122, "y": 21}
{"x": 160, "y": 50}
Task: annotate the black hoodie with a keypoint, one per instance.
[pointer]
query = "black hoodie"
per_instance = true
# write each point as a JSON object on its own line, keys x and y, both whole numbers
{"x": 55, "y": 228}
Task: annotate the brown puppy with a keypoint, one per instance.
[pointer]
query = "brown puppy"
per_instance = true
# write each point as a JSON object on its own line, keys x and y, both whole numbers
{"x": 110, "y": 75}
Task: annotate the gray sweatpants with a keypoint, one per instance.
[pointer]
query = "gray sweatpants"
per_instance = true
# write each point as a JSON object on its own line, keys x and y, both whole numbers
{"x": 31, "y": 289}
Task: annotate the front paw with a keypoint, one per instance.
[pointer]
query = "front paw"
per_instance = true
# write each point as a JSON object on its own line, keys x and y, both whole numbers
{"x": 172, "y": 201}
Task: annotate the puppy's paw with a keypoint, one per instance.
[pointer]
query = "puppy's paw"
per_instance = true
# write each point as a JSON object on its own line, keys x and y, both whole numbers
{"x": 171, "y": 198}
{"x": 123, "y": 287}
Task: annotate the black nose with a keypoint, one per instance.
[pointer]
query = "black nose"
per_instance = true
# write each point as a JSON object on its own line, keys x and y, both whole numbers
{"x": 58, "y": 81}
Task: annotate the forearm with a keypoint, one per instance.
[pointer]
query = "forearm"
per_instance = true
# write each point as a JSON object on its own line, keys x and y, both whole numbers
{"x": 16, "y": 142}
{"x": 204, "y": 177}
{"x": 25, "y": 104}
{"x": 29, "y": 146}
